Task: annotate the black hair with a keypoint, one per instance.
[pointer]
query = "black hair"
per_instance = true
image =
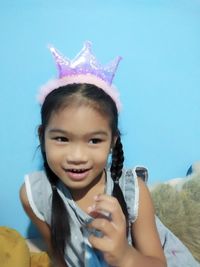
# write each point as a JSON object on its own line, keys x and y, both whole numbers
{"x": 95, "y": 97}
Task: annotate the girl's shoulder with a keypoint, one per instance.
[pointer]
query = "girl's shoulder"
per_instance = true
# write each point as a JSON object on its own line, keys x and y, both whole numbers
{"x": 37, "y": 180}
{"x": 39, "y": 192}
{"x": 36, "y": 175}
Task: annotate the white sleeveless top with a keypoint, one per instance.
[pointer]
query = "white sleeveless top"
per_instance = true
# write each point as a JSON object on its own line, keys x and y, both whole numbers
{"x": 39, "y": 194}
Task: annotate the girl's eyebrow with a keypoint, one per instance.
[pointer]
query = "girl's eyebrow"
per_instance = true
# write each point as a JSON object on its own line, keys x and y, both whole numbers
{"x": 98, "y": 133}
{"x": 57, "y": 130}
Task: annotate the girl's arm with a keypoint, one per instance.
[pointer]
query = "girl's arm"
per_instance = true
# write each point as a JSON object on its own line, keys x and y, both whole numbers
{"x": 147, "y": 250}
{"x": 41, "y": 226}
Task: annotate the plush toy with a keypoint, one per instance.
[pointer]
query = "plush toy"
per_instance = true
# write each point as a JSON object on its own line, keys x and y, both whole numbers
{"x": 177, "y": 204}
{"x": 14, "y": 251}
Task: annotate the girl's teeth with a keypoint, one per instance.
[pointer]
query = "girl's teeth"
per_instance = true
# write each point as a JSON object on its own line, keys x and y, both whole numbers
{"x": 78, "y": 171}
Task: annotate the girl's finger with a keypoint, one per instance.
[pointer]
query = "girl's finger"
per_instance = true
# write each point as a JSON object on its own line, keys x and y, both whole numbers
{"x": 102, "y": 244}
{"x": 104, "y": 226}
{"x": 108, "y": 206}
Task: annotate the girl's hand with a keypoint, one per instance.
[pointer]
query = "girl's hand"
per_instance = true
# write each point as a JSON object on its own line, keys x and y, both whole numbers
{"x": 113, "y": 244}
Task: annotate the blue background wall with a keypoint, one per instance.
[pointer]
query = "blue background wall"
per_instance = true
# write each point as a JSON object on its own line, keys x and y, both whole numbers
{"x": 159, "y": 81}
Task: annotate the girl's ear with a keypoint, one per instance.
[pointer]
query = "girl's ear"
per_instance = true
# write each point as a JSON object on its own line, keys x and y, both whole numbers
{"x": 40, "y": 133}
{"x": 41, "y": 137}
{"x": 114, "y": 142}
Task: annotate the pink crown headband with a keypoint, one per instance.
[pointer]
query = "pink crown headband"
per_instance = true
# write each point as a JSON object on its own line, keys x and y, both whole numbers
{"x": 84, "y": 68}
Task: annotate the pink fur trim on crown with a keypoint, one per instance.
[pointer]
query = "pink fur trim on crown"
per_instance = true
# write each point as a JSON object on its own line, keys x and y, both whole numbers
{"x": 82, "y": 78}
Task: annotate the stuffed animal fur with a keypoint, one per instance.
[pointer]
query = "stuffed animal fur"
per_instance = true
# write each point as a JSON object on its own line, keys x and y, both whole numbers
{"x": 177, "y": 204}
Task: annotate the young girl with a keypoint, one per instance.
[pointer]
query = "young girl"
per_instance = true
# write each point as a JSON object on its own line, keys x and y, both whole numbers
{"x": 87, "y": 214}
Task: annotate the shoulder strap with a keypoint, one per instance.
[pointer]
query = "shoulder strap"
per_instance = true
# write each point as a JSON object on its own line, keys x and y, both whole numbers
{"x": 130, "y": 190}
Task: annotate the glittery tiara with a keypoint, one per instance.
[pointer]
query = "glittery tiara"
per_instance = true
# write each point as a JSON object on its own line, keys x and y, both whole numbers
{"x": 84, "y": 68}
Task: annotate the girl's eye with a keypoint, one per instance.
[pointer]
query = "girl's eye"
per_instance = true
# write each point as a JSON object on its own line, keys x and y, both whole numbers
{"x": 61, "y": 139}
{"x": 95, "y": 141}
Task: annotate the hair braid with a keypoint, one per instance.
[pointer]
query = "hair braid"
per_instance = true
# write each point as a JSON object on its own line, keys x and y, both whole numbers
{"x": 116, "y": 172}
{"x": 58, "y": 238}
{"x": 117, "y": 160}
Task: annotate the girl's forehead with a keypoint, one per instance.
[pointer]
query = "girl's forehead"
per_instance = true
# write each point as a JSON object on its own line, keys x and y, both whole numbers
{"x": 81, "y": 110}
{"x": 79, "y": 118}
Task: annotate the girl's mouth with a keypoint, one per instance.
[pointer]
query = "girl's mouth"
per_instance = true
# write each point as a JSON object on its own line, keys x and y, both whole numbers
{"x": 77, "y": 170}
{"x": 77, "y": 174}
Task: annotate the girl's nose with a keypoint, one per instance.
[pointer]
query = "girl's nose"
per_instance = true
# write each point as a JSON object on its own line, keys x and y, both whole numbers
{"x": 76, "y": 155}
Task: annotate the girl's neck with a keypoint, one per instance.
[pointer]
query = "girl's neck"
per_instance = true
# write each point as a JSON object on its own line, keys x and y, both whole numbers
{"x": 85, "y": 197}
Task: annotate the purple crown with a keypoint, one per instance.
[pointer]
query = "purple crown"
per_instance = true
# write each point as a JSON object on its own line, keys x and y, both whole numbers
{"x": 85, "y": 63}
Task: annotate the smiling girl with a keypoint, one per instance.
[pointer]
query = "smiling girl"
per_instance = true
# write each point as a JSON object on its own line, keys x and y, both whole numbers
{"x": 77, "y": 203}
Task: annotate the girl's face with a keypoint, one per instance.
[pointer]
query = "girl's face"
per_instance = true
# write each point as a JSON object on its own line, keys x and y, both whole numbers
{"x": 77, "y": 145}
